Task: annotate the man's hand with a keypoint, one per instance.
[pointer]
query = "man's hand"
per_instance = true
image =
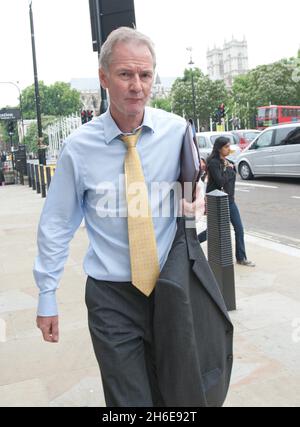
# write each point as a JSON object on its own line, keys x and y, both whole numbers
{"x": 49, "y": 328}
{"x": 197, "y": 208}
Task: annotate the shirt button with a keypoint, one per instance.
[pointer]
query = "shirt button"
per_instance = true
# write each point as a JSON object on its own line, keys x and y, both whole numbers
{"x": 230, "y": 358}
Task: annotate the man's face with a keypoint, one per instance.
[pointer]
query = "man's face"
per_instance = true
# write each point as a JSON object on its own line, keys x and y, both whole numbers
{"x": 129, "y": 79}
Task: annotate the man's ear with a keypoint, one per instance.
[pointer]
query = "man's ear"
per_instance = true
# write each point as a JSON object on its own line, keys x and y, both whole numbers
{"x": 103, "y": 78}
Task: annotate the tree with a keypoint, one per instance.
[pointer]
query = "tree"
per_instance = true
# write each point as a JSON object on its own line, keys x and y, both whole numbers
{"x": 277, "y": 83}
{"x": 31, "y": 138}
{"x": 5, "y": 135}
{"x": 28, "y": 100}
{"x": 208, "y": 95}
{"x": 62, "y": 100}
{"x": 56, "y": 100}
{"x": 162, "y": 103}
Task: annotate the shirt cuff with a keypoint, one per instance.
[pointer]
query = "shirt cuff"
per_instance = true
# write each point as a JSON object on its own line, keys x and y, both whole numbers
{"x": 47, "y": 306}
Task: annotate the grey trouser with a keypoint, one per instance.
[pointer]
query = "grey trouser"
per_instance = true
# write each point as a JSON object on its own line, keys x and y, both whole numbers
{"x": 120, "y": 323}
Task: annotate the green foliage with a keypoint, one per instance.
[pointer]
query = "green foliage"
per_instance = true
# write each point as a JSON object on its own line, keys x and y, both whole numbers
{"x": 28, "y": 100}
{"x": 31, "y": 138}
{"x": 6, "y": 137}
{"x": 56, "y": 100}
{"x": 208, "y": 95}
{"x": 276, "y": 84}
{"x": 162, "y": 103}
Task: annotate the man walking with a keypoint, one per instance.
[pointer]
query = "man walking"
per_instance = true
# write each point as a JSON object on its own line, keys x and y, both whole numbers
{"x": 126, "y": 254}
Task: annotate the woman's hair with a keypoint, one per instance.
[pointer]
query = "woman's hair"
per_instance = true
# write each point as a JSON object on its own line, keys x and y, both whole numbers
{"x": 126, "y": 35}
{"x": 218, "y": 145}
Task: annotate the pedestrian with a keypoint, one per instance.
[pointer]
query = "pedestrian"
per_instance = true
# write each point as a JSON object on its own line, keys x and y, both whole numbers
{"x": 222, "y": 176}
{"x": 3, "y": 157}
{"x": 127, "y": 251}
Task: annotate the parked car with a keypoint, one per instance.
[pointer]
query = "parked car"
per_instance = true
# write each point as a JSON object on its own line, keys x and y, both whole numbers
{"x": 206, "y": 142}
{"x": 245, "y": 137}
{"x": 275, "y": 152}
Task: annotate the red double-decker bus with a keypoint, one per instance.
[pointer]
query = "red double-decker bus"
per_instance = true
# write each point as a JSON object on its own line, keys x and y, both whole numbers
{"x": 277, "y": 114}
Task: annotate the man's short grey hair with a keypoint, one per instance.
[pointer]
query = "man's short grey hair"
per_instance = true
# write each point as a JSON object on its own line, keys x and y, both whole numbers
{"x": 124, "y": 35}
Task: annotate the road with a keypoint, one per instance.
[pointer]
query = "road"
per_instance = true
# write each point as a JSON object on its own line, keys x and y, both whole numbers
{"x": 270, "y": 207}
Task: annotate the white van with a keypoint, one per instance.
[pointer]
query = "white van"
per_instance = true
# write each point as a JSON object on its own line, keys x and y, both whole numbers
{"x": 275, "y": 152}
{"x": 206, "y": 142}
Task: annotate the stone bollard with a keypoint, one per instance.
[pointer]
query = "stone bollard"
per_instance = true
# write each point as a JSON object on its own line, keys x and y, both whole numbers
{"x": 37, "y": 179}
{"x": 29, "y": 175}
{"x": 33, "y": 180}
{"x": 48, "y": 173}
{"x": 43, "y": 183}
{"x": 220, "y": 256}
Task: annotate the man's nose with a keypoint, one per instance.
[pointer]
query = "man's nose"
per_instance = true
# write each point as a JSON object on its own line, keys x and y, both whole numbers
{"x": 136, "y": 84}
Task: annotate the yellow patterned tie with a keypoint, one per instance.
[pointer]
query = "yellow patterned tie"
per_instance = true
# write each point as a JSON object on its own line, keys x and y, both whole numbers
{"x": 142, "y": 242}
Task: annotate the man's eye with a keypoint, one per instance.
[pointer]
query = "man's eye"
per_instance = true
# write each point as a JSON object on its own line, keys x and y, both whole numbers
{"x": 146, "y": 76}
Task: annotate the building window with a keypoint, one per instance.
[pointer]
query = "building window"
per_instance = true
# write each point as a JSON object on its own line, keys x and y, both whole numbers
{"x": 221, "y": 69}
{"x": 240, "y": 62}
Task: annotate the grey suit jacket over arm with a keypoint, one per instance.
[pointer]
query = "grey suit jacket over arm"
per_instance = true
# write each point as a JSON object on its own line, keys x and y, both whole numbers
{"x": 193, "y": 333}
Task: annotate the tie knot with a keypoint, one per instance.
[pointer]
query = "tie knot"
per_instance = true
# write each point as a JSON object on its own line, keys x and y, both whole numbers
{"x": 131, "y": 140}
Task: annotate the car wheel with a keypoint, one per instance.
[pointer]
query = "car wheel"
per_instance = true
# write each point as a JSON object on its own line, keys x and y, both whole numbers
{"x": 245, "y": 171}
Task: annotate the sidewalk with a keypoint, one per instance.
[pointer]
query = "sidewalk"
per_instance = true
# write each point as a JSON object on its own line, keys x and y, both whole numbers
{"x": 34, "y": 373}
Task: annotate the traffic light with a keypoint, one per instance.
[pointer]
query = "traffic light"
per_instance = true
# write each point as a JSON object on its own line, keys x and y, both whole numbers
{"x": 220, "y": 114}
{"x": 222, "y": 111}
{"x": 11, "y": 127}
{"x": 89, "y": 115}
{"x": 216, "y": 117}
{"x": 83, "y": 117}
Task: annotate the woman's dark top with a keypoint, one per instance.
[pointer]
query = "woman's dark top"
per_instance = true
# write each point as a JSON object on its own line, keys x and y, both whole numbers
{"x": 221, "y": 177}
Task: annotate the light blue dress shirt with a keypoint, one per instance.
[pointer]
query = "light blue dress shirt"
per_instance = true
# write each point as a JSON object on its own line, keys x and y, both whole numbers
{"x": 90, "y": 170}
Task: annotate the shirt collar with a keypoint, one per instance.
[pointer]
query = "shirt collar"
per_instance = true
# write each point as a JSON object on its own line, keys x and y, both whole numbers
{"x": 112, "y": 131}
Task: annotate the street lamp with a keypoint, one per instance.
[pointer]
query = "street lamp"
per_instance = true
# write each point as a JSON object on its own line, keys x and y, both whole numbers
{"x": 191, "y": 64}
{"x": 41, "y": 147}
{"x": 21, "y": 104}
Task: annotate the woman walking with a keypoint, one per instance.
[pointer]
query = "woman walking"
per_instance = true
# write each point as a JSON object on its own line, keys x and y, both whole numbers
{"x": 222, "y": 176}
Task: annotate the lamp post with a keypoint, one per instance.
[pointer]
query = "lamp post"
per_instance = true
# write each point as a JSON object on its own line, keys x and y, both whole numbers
{"x": 104, "y": 103}
{"x": 97, "y": 32}
{"x": 21, "y": 104}
{"x": 191, "y": 64}
{"x": 41, "y": 148}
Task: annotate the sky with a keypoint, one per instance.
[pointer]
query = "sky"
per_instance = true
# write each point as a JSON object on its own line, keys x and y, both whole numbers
{"x": 64, "y": 41}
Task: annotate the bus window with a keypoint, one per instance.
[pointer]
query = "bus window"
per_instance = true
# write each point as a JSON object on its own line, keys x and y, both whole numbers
{"x": 291, "y": 112}
{"x": 274, "y": 113}
{"x": 274, "y": 116}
